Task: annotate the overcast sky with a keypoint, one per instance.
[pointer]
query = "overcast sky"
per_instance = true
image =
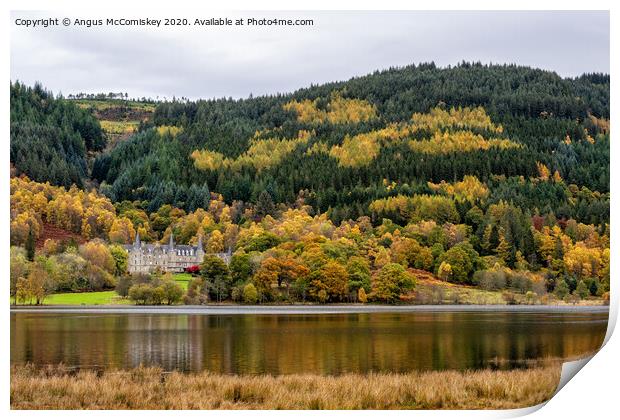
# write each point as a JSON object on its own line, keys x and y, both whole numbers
{"x": 206, "y": 62}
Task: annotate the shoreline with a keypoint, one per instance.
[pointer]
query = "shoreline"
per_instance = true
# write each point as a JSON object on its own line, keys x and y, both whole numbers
{"x": 305, "y": 309}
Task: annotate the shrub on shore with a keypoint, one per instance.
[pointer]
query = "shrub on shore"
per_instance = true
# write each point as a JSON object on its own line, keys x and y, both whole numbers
{"x": 152, "y": 290}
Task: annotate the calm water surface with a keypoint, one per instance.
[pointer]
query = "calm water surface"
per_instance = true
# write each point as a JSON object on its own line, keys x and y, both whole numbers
{"x": 317, "y": 343}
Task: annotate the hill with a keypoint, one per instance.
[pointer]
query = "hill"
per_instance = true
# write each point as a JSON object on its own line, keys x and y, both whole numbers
{"x": 342, "y": 145}
{"x": 50, "y": 137}
{"x": 488, "y": 177}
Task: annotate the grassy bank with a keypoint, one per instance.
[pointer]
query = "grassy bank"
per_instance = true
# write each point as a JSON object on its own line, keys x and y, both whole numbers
{"x": 86, "y": 298}
{"x": 89, "y": 298}
{"x": 151, "y": 388}
{"x": 109, "y": 297}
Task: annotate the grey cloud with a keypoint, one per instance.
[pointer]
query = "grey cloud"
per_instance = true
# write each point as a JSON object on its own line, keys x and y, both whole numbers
{"x": 214, "y": 62}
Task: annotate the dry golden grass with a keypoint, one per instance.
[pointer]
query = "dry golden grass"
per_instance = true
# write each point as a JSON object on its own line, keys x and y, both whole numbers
{"x": 151, "y": 388}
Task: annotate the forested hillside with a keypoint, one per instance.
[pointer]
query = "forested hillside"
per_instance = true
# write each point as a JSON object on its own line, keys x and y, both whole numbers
{"x": 342, "y": 145}
{"x": 50, "y": 137}
{"x": 492, "y": 176}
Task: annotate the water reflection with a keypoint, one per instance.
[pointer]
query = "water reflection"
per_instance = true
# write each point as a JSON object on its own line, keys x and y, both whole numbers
{"x": 326, "y": 344}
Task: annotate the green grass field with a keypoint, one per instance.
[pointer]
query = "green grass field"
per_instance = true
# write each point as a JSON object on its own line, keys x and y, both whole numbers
{"x": 86, "y": 298}
{"x": 102, "y": 298}
{"x": 183, "y": 279}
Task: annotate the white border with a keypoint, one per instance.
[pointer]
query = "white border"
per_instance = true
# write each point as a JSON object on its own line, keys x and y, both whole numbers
{"x": 591, "y": 395}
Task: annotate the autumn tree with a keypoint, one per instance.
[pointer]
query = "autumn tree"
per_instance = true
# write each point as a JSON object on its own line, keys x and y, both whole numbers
{"x": 172, "y": 292}
{"x": 359, "y": 275}
{"x": 120, "y": 256}
{"x": 329, "y": 283}
{"x": 264, "y": 280}
{"x": 122, "y": 231}
{"x": 463, "y": 260}
{"x": 19, "y": 269}
{"x": 583, "y": 261}
{"x": 240, "y": 267}
{"x": 216, "y": 277}
{"x": 22, "y": 291}
{"x": 215, "y": 244}
{"x": 444, "y": 271}
{"x": 36, "y": 283}
{"x": 98, "y": 278}
{"x": 50, "y": 247}
{"x": 361, "y": 295}
{"x": 286, "y": 269}
{"x": 97, "y": 253}
{"x": 390, "y": 282}
{"x": 250, "y": 294}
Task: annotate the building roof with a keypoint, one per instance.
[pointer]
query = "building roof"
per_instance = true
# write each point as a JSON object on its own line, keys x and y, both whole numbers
{"x": 156, "y": 247}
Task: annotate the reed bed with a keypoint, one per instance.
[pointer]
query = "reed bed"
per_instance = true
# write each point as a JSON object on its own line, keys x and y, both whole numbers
{"x": 151, "y": 388}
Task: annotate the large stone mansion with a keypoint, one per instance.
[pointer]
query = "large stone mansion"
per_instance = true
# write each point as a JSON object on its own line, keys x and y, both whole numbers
{"x": 145, "y": 258}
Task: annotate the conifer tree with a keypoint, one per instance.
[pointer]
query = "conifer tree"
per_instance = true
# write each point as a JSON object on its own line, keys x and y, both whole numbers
{"x": 30, "y": 245}
{"x": 264, "y": 205}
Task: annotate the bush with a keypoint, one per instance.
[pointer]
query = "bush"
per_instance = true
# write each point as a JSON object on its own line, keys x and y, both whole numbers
{"x": 236, "y": 294}
{"x": 361, "y": 295}
{"x": 594, "y": 286}
{"x": 519, "y": 281}
{"x": 172, "y": 292}
{"x": 126, "y": 281}
{"x": 530, "y": 297}
{"x": 539, "y": 287}
{"x": 168, "y": 292}
{"x": 157, "y": 295}
{"x": 250, "y": 294}
{"x": 582, "y": 290}
{"x": 123, "y": 285}
{"x": 572, "y": 298}
{"x": 98, "y": 278}
{"x": 490, "y": 279}
{"x": 141, "y": 293}
{"x": 194, "y": 270}
{"x": 509, "y": 298}
{"x": 561, "y": 289}
{"x": 606, "y": 298}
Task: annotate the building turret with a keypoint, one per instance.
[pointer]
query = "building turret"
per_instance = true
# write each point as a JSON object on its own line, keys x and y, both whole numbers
{"x": 137, "y": 243}
{"x": 171, "y": 243}
{"x": 199, "y": 246}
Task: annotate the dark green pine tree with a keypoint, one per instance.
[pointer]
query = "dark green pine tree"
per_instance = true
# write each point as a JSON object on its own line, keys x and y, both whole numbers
{"x": 558, "y": 252}
{"x": 494, "y": 237}
{"x": 30, "y": 245}
{"x": 264, "y": 205}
